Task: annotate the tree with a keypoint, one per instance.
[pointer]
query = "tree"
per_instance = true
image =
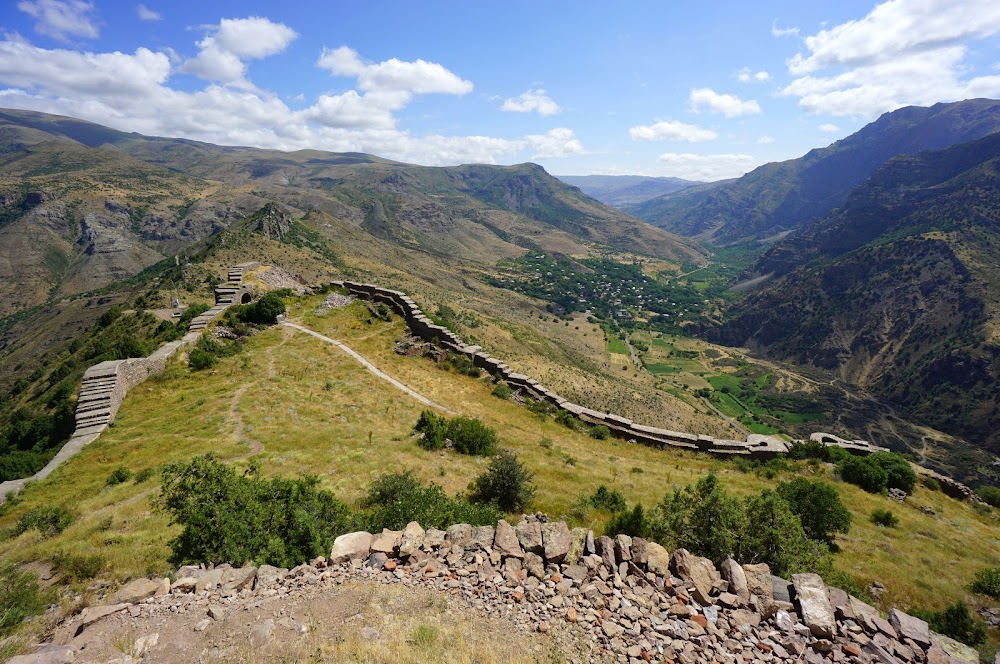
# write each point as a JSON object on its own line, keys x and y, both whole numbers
{"x": 505, "y": 482}
{"x": 702, "y": 518}
{"x": 629, "y": 522}
{"x": 266, "y": 310}
{"x": 865, "y": 473}
{"x": 899, "y": 471}
{"x": 775, "y": 536}
{"x": 818, "y": 507}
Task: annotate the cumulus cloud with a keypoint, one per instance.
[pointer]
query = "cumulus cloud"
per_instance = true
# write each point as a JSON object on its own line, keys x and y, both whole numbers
{"x": 902, "y": 52}
{"x": 147, "y": 14}
{"x": 393, "y": 75}
{"x": 62, "y": 19}
{"x": 829, "y": 128}
{"x": 745, "y": 75}
{"x": 532, "y": 100}
{"x": 228, "y": 45}
{"x": 130, "y": 92}
{"x": 671, "y": 130}
{"x": 707, "y": 167}
{"x": 729, "y": 105}
{"x": 765, "y": 140}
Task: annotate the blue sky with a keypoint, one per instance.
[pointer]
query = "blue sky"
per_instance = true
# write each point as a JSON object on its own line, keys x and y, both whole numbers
{"x": 696, "y": 90}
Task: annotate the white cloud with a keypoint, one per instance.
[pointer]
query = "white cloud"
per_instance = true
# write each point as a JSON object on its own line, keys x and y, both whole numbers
{"x": 672, "y": 130}
{"x": 782, "y": 32}
{"x": 61, "y": 19}
{"x": 130, "y": 92}
{"x": 729, "y": 105}
{"x": 532, "y": 100}
{"x": 147, "y": 14}
{"x": 418, "y": 77}
{"x": 745, "y": 75}
{"x": 705, "y": 167}
{"x": 829, "y": 128}
{"x": 902, "y": 52}
{"x": 233, "y": 41}
{"x": 765, "y": 140}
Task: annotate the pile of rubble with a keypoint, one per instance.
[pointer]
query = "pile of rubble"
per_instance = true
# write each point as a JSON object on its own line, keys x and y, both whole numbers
{"x": 631, "y": 600}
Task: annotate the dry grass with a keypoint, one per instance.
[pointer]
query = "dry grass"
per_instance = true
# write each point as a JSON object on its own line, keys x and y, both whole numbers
{"x": 315, "y": 410}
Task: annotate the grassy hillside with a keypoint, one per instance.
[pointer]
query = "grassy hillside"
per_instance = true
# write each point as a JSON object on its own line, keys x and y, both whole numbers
{"x": 303, "y": 407}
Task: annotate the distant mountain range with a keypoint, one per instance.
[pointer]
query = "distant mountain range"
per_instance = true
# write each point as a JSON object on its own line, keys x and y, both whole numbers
{"x": 82, "y": 206}
{"x": 777, "y": 198}
{"x": 624, "y": 192}
{"x": 897, "y": 290}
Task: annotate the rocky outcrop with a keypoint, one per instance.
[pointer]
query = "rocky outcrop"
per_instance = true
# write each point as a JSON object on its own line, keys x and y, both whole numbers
{"x": 632, "y": 610}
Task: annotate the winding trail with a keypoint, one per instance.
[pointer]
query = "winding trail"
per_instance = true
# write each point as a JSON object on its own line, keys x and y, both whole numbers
{"x": 371, "y": 367}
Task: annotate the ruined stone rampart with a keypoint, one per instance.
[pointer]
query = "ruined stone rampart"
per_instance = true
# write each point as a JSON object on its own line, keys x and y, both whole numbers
{"x": 756, "y": 446}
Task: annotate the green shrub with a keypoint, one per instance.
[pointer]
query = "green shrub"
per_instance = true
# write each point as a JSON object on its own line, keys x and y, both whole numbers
{"x": 818, "y": 507}
{"x": 568, "y": 420}
{"x": 628, "y": 522}
{"x": 987, "y": 582}
{"x": 933, "y": 485}
{"x": 228, "y": 516}
{"x": 957, "y": 622}
{"x": 900, "y": 474}
{"x": 119, "y": 475}
{"x": 470, "y": 436}
{"x": 200, "y": 359}
{"x": 46, "y": 520}
{"x": 505, "y": 482}
{"x": 865, "y": 473}
{"x": 775, "y": 536}
{"x": 502, "y": 391}
{"x": 395, "y": 499}
{"x": 600, "y": 432}
{"x": 885, "y": 518}
{"x": 20, "y": 598}
{"x": 266, "y": 310}
{"x": 610, "y": 500}
{"x": 76, "y": 567}
{"x": 434, "y": 429}
{"x": 144, "y": 475}
{"x": 990, "y": 495}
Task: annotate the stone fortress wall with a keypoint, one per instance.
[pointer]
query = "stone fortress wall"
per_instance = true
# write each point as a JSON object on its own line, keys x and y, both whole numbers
{"x": 756, "y": 446}
{"x": 105, "y": 385}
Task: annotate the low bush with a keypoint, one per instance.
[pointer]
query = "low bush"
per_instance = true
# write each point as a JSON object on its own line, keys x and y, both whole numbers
{"x": 20, "y": 598}
{"x": 467, "y": 435}
{"x": 987, "y": 582}
{"x": 78, "y": 567}
{"x": 628, "y": 522}
{"x": 600, "y": 432}
{"x": 119, "y": 475}
{"x": 884, "y": 518}
{"x": 865, "y": 473}
{"x": 395, "y": 499}
{"x": 957, "y": 622}
{"x": 503, "y": 391}
{"x": 46, "y": 520}
{"x": 607, "y": 499}
{"x": 506, "y": 482}
{"x": 228, "y": 516}
{"x": 990, "y": 495}
{"x": 899, "y": 471}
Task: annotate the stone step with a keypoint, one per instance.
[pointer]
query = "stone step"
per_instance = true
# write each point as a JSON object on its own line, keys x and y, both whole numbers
{"x": 90, "y": 429}
{"x": 99, "y": 382}
{"x": 86, "y": 395}
{"x": 92, "y": 406}
{"x": 93, "y": 421}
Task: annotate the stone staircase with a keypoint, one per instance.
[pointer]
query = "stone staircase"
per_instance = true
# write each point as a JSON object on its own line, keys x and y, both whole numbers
{"x": 226, "y": 293}
{"x": 94, "y": 409}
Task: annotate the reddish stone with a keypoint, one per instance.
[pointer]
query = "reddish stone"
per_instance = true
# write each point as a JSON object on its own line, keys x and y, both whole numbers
{"x": 701, "y": 620}
{"x": 389, "y": 565}
{"x": 571, "y": 614}
{"x": 851, "y": 649}
{"x": 556, "y": 578}
{"x": 518, "y": 596}
{"x": 764, "y": 647}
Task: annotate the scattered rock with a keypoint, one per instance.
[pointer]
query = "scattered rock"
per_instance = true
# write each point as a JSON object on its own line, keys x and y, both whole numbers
{"x": 816, "y": 611}
{"x": 353, "y": 546}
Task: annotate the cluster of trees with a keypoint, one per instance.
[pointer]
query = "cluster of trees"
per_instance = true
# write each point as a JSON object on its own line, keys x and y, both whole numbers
{"x": 229, "y": 515}
{"x": 468, "y": 435}
{"x": 875, "y": 473}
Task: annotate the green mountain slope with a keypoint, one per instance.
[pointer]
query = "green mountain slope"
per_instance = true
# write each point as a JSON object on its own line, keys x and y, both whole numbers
{"x": 778, "y": 197}
{"x": 897, "y": 291}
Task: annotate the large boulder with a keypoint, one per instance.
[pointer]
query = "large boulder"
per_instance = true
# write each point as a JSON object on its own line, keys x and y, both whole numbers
{"x": 238, "y": 578}
{"x": 459, "y": 534}
{"x": 759, "y": 583}
{"x": 815, "y": 608}
{"x": 352, "y": 546}
{"x": 578, "y": 545}
{"x": 737, "y": 580}
{"x": 698, "y": 571}
{"x": 388, "y": 542}
{"x": 482, "y": 538}
{"x": 505, "y": 541}
{"x": 911, "y": 628}
{"x": 639, "y": 555}
{"x": 657, "y": 559}
{"x": 557, "y": 541}
{"x": 945, "y": 650}
{"x": 139, "y": 589}
{"x": 412, "y": 539}
{"x": 606, "y": 550}
{"x": 529, "y": 534}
